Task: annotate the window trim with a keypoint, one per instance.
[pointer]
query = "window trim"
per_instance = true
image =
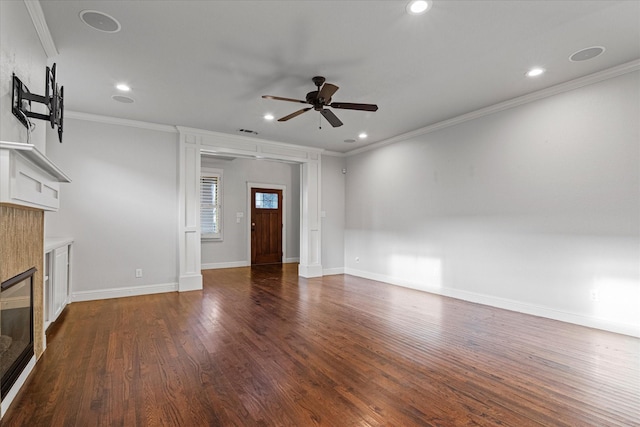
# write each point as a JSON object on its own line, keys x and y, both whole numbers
{"x": 207, "y": 172}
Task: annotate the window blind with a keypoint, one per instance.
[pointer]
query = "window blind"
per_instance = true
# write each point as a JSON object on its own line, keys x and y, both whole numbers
{"x": 210, "y": 206}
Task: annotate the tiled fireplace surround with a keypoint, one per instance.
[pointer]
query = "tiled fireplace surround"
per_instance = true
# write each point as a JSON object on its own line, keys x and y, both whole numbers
{"x": 21, "y": 248}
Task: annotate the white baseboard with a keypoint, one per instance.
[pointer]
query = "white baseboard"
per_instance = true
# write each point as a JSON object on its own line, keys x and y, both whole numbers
{"x": 13, "y": 391}
{"x": 332, "y": 271}
{"x": 310, "y": 271}
{"x": 217, "y": 265}
{"x": 190, "y": 282}
{"x": 123, "y": 292}
{"x": 236, "y": 264}
{"x": 508, "y": 304}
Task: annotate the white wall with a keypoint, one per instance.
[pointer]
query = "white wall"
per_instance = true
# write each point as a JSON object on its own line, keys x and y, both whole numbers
{"x": 21, "y": 53}
{"x": 533, "y": 208}
{"x": 121, "y": 207}
{"x": 333, "y": 205}
{"x": 233, "y": 250}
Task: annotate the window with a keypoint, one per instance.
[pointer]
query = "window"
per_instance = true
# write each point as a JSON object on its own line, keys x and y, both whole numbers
{"x": 266, "y": 200}
{"x": 211, "y": 204}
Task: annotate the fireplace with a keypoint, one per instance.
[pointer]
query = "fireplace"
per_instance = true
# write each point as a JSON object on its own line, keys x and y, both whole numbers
{"x": 16, "y": 327}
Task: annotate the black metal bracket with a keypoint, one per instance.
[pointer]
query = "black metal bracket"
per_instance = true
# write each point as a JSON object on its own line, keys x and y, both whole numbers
{"x": 53, "y": 100}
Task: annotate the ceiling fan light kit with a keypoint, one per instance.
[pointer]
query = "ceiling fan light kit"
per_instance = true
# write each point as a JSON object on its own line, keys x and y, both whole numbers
{"x": 320, "y": 98}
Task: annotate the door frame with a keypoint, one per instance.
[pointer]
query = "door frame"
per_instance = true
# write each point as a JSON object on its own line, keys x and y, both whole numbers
{"x": 192, "y": 144}
{"x": 265, "y": 186}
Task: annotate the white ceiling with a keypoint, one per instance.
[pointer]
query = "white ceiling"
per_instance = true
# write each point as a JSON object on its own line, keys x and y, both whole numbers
{"x": 206, "y": 64}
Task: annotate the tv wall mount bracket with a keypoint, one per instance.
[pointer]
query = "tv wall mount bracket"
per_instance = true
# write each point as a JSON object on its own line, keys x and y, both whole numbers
{"x": 53, "y": 100}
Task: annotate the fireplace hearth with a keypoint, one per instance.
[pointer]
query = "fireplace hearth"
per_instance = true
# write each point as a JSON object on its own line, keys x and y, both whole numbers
{"x": 16, "y": 327}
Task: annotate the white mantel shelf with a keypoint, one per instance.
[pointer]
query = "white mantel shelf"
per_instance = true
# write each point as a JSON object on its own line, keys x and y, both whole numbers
{"x": 28, "y": 178}
{"x": 31, "y": 153}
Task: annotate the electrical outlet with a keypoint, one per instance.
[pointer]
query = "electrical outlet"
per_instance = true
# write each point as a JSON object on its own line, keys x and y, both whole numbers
{"x": 138, "y": 272}
{"x": 595, "y": 295}
{"x": 357, "y": 259}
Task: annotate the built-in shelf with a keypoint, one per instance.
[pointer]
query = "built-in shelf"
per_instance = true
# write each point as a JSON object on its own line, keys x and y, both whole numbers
{"x": 57, "y": 283}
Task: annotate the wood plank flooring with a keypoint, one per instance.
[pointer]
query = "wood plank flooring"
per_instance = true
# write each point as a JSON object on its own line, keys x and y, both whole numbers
{"x": 261, "y": 347}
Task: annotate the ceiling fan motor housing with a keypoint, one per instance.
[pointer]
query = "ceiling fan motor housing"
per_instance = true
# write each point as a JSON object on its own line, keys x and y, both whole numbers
{"x": 319, "y": 98}
{"x": 312, "y": 98}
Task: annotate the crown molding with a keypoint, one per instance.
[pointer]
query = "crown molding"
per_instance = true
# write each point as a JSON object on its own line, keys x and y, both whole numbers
{"x": 40, "y": 23}
{"x": 118, "y": 121}
{"x": 333, "y": 153}
{"x": 512, "y": 103}
{"x": 515, "y": 102}
{"x": 182, "y": 129}
{"x": 252, "y": 140}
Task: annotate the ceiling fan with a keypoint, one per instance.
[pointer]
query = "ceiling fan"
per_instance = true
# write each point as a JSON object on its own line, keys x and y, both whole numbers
{"x": 321, "y": 98}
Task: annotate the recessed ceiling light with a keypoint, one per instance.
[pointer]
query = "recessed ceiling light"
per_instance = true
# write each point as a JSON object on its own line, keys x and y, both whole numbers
{"x": 122, "y": 98}
{"x": 123, "y": 87}
{"x": 362, "y": 135}
{"x": 268, "y": 116}
{"x": 534, "y": 72}
{"x": 418, "y": 7}
{"x": 586, "y": 54}
{"x": 100, "y": 21}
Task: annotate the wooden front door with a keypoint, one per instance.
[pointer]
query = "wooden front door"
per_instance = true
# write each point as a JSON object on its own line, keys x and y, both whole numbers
{"x": 266, "y": 226}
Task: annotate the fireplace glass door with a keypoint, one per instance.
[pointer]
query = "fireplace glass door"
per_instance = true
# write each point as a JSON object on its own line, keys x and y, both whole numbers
{"x": 16, "y": 327}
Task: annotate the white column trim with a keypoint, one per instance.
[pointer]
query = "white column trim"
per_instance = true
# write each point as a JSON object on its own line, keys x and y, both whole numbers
{"x": 190, "y": 276}
{"x": 202, "y": 141}
{"x": 310, "y": 233}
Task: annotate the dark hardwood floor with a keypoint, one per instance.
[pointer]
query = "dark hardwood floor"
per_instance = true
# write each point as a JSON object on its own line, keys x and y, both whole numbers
{"x": 261, "y": 347}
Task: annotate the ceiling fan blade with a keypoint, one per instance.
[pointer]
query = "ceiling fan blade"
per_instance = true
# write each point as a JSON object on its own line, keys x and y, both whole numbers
{"x": 352, "y": 106}
{"x": 279, "y": 98}
{"x": 295, "y": 114}
{"x": 327, "y": 91}
{"x": 331, "y": 118}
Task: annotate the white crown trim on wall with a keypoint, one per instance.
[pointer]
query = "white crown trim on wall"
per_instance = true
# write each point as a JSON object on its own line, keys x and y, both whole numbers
{"x": 40, "y": 23}
{"x": 515, "y": 102}
{"x": 118, "y": 121}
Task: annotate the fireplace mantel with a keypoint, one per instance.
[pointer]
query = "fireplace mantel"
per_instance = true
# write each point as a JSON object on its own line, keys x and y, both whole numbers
{"x": 28, "y": 178}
